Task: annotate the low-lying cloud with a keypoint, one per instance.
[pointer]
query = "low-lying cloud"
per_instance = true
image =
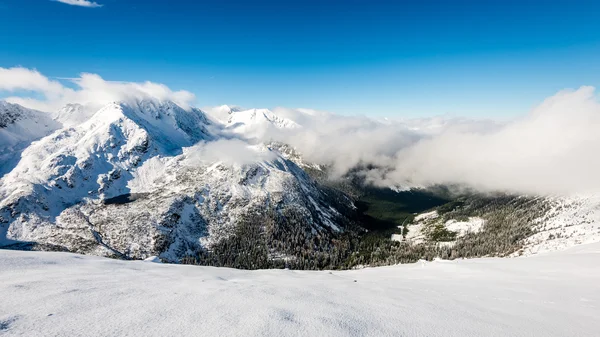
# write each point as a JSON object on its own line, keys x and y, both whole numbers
{"x": 552, "y": 150}
{"x": 227, "y": 151}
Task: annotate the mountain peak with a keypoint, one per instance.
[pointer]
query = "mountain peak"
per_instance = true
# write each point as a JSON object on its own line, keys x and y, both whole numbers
{"x": 256, "y": 122}
{"x": 229, "y": 109}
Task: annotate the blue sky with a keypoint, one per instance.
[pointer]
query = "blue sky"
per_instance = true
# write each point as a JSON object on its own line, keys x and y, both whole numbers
{"x": 393, "y": 58}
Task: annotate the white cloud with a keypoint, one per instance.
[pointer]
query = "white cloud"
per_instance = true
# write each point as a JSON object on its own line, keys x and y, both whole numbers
{"x": 89, "y": 89}
{"x": 345, "y": 142}
{"x": 227, "y": 151}
{"x": 552, "y": 150}
{"x": 81, "y": 3}
{"x": 12, "y": 79}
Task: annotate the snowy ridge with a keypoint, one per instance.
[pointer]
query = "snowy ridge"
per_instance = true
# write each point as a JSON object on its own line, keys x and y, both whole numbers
{"x": 91, "y": 160}
{"x": 92, "y": 157}
{"x": 290, "y": 153}
{"x": 222, "y": 113}
{"x": 195, "y": 206}
{"x": 128, "y": 182}
{"x": 20, "y": 126}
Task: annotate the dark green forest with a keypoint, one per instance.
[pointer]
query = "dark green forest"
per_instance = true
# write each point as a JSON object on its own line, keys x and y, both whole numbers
{"x": 281, "y": 238}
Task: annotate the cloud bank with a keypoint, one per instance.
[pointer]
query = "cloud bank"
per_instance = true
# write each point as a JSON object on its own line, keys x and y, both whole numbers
{"x": 89, "y": 89}
{"x": 227, "y": 151}
{"x": 552, "y": 150}
{"x": 81, "y": 3}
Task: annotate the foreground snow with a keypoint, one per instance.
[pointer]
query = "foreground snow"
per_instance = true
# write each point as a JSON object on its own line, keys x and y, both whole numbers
{"x": 60, "y": 294}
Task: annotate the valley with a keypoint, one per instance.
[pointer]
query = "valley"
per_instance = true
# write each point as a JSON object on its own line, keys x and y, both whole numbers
{"x": 149, "y": 178}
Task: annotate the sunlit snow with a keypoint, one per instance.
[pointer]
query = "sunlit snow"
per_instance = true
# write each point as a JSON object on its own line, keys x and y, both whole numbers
{"x": 60, "y": 294}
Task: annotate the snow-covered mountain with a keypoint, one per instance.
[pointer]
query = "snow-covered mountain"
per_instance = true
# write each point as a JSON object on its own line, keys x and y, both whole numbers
{"x": 222, "y": 113}
{"x": 128, "y": 182}
{"x": 74, "y": 114}
{"x": 143, "y": 178}
{"x": 20, "y": 126}
{"x": 255, "y": 123}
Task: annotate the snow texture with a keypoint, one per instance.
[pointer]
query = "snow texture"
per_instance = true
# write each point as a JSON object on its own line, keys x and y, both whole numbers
{"x": 63, "y": 294}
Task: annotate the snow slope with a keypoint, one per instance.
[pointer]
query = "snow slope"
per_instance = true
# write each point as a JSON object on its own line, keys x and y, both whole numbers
{"x": 60, "y": 294}
{"x": 19, "y": 127}
{"x": 568, "y": 221}
{"x": 557, "y": 222}
{"x": 95, "y": 157}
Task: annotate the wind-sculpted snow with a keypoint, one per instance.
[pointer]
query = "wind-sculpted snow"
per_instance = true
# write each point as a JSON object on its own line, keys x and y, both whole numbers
{"x": 60, "y": 294}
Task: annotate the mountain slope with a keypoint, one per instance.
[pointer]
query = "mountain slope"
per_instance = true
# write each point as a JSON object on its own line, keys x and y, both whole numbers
{"x": 467, "y": 224}
{"x": 20, "y": 126}
{"x": 127, "y": 182}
